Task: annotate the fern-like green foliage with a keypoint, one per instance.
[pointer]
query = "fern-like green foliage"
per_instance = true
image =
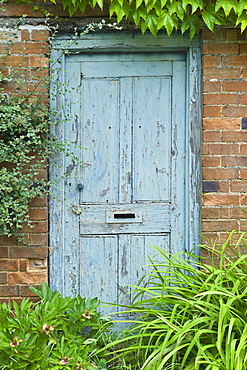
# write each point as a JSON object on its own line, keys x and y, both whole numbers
{"x": 170, "y": 15}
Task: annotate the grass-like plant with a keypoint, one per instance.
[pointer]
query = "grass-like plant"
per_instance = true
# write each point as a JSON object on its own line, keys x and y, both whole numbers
{"x": 191, "y": 314}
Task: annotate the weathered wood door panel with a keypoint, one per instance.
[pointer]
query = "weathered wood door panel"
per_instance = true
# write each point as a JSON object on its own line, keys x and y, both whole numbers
{"x": 128, "y": 116}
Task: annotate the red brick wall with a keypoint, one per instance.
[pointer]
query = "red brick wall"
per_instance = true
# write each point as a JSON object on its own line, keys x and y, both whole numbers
{"x": 25, "y": 53}
{"x": 224, "y": 161}
{"x": 224, "y": 151}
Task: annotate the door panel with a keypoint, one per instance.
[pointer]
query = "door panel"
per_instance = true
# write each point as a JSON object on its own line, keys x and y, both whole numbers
{"x": 151, "y": 138}
{"x": 126, "y": 129}
{"x": 100, "y": 135}
{"x": 124, "y": 259}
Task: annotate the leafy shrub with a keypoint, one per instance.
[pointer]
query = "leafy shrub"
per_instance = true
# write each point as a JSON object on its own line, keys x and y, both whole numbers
{"x": 191, "y": 315}
{"x": 55, "y": 333}
{"x": 23, "y": 152}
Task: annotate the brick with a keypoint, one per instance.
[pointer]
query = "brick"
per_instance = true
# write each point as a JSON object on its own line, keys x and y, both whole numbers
{"x": 28, "y": 48}
{"x": 220, "y": 225}
{"x": 40, "y": 35}
{"x": 225, "y": 212}
{"x": 27, "y": 277}
{"x": 25, "y": 35}
{"x": 211, "y": 136}
{"x": 235, "y": 86}
{"x": 211, "y": 86}
{"x": 210, "y": 161}
{"x": 243, "y": 149}
{"x": 9, "y": 291}
{"x": 243, "y": 99}
{"x": 221, "y": 123}
{"x": 38, "y": 213}
{"x": 222, "y": 73}
{"x": 37, "y": 264}
{"x": 234, "y": 136}
{"x": 3, "y": 278}
{"x": 26, "y": 292}
{"x": 238, "y": 186}
{"x": 239, "y": 111}
{"x": 210, "y": 61}
{"x": 9, "y": 241}
{"x": 28, "y": 252}
{"x": 210, "y": 212}
{"x": 207, "y": 34}
{"x": 224, "y": 186}
{"x": 17, "y": 62}
{"x": 243, "y": 226}
{"x": 23, "y": 265}
{"x": 221, "y": 99}
{"x": 38, "y": 239}
{"x": 11, "y": 10}
{"x": 220, "y": 173}
{"x": 237, "y": 212}
{"x": 244, "y": 73}
{"x": 36, "y": 227}
{"x": 234, "y": 161}
{"x": 38, "y": 61}
{"x": 4, "y": 252}
{"x": 221, "y": 149}
{"x": 231, "y": 34}
{"x": 224, "y": 48}
{"x": 210, "y": 199}
{"x": 212, "y": 111}
{"x": 243, "y": 199}
{"x": 210, "y": 186}
{"x": 243, "y": 174}
{"x": 8, "y": 265}
{"x": 235, "y": 61}
{"x": 38, "y": 202}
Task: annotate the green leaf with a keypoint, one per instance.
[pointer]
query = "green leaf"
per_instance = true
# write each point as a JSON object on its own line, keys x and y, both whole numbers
{"x": 226, "y": 5}
{"x": 211, "y": 18}
{"x": 177, "y": 8}
{"x": 169, "y": 21}
{"x": 242, "y": 5}
{"x": 242, "y": 19}
{"x": 152, "y": 23}
{"x": 191, "y": 23}
{"x": 138, "y": 3}
{"x": 195, "y": 4}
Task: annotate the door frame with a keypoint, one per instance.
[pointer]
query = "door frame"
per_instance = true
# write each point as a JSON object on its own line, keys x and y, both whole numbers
{"x": 64, "y": 225}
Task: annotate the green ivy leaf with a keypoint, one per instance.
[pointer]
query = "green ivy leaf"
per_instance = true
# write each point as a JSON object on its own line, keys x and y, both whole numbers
{"x": 243, "y": 21}
{"x": 226, "y": 5}
{"x": 138, "y": 3}
{"x": 192, "y": 23}
{"x": 195, "y": 4}
{"x": 211, "y": 18}
{"x": 151, "y": 22}
{"x": 242, "y": 5}
{"x": 169, "y": 21}
{"x": 115, "y": 7}
{"x": 177, "y": 8}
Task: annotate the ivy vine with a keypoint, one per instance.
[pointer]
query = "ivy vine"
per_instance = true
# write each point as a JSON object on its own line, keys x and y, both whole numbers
{"x": 170, "y": 15}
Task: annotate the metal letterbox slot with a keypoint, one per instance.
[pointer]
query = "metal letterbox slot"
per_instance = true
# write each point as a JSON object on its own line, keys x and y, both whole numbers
{"x": 123, "y": 217}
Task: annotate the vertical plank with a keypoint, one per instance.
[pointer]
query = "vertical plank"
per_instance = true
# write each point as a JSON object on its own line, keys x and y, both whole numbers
{"x": 125, "y": 142}
{"x": 178, "y": 150}
{"x": 151, "y": 138}
{"x": 134, "y": 263}
{"x": 98, "y": 269}
{"x": 100, "y": 138}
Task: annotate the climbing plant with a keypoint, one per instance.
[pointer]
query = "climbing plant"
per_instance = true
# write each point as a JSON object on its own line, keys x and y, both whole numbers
{"x": 26, "y": 144}
{"x": 170, "y": 15}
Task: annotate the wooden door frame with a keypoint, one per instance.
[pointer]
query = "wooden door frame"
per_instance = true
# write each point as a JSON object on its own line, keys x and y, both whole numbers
{"x": 64, "y": 225}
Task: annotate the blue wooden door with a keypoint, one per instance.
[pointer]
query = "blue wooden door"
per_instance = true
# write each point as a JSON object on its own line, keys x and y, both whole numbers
{"x": 127, "y": 116}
